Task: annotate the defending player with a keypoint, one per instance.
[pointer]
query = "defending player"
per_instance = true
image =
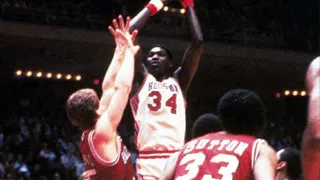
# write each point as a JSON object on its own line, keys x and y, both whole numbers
{"x": 311, "y": 136}
{"x": 289, "y": 164}
{"x": 206, "y": 123}
{"x": 104, "y": 154}
{"x": 233, "y": 154}
{"x": 158, "y": 105}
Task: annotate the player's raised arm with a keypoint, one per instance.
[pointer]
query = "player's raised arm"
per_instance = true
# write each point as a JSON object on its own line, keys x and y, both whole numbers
{"x": 265, "y": 165}
{"x": 107, "y": 124}
{"x": 311, "y": 136}
{"x": 137, "y": 23}
{"x": 149, "y": 10}
{"x": 193, "y": 53}
{"x": 117, "y": 60}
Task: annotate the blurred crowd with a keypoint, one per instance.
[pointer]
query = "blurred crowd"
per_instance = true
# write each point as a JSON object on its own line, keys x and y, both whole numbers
{"x": 38, "y": 147}
{"x": 277, "y": 24}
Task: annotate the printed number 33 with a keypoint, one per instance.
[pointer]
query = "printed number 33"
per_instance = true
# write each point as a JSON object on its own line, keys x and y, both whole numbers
{"x": 196, "y": 159}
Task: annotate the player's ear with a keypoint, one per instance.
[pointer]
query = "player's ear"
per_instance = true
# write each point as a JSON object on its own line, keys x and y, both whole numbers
{"x": 281, "y": 165}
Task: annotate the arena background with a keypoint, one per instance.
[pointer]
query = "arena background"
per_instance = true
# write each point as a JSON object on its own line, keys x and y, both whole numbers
{"x": 261, "y": 45}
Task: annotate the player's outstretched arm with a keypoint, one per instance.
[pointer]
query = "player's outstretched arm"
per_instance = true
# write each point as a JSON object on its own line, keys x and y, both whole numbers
{"x": 265, "y": 165}
{"x": 107, "y": 124}
{"x": 117, "y": 60}
{"x": 149, "y": 10}
{"x": 193, "y": 53}
{"x": 137, "y": 23}
{"x": 311, "y": 136}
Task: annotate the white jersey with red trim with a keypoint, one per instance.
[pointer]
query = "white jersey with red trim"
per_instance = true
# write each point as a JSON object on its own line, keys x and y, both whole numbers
{"x": 159, "y": 112}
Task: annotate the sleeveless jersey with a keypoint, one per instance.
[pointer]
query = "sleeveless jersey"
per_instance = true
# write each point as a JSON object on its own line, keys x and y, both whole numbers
{"x": 218, "y": 156}
{"x": 159, "y": 112}
{"x": 99, "y": 169}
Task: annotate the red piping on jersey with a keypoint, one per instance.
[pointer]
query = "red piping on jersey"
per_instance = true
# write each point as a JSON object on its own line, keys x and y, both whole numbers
{"x": 141, "y": 85}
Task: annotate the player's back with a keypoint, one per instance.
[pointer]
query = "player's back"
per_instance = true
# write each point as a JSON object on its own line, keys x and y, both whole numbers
{"x": 218, "y": 156}
{"x": 159, "y": 112}
{"x": 98, "y": 168}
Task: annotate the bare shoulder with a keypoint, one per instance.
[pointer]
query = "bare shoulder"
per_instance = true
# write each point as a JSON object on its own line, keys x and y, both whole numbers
{"x": 266, "y": 162}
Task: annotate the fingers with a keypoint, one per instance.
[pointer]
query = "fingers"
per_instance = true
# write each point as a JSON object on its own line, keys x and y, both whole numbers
{"x": 115, "y": 24}
{"x": 136, "y": 49}
{"x": 134, "y": 35}
{"x": 112, "y": 31}
{"x": 121, "y": 34}
{"x": 127, "y": 24}
{"x": 121, "y": 22}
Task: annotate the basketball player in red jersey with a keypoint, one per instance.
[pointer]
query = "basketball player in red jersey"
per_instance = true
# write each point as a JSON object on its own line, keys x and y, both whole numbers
{"x": 311, "y": 136}
{"x": 158, "y": 104}
{"x": 104, "y": 154}
{"x": 232, "y": 154}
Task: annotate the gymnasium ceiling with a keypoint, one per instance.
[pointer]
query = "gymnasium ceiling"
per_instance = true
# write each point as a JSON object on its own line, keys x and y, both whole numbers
{"x": 221, "y": 68}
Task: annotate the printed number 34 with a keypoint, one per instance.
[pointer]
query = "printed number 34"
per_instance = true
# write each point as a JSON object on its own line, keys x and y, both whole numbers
{"x": 196, "y": 159}
{"x": 157, "y": 98}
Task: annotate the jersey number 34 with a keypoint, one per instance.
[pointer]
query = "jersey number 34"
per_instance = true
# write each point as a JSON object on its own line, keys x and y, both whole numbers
{"x": 157, "y": 98}
{"x": 195, "y": 160}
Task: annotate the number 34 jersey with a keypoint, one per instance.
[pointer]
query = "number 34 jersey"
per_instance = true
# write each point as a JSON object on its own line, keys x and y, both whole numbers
{"x": 218, "y": 156}
{"x": 159, "y": 112}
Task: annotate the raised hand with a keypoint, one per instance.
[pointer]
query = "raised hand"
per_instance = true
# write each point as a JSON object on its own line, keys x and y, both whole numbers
{"x": 124, "y": 36}
{"x": 121, "y": 41}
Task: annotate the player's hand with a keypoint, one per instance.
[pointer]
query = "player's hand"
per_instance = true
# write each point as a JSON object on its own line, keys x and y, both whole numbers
{"x": 187, "y": 3}
{"x": 123, "y": 27}
{"x": 124, "y": 36}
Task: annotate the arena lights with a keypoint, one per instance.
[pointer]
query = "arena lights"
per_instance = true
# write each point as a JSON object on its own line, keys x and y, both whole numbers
{"x": 58, "y": 76}
{"x": 29, "y": 73}
{"x": 39, "y": 74}
{"x": 49, "y": 75}
{"x": 166, "y": 9}
{"x": 291, "y": 93}
{"x": 68, "y": 77}
{"x": 78, "y": 77}
{"x": 18, "y": 72}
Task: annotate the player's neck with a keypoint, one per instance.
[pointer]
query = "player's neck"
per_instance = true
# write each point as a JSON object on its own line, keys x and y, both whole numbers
{"x": 282, "y": 176}
{"x": 161, "y": 77}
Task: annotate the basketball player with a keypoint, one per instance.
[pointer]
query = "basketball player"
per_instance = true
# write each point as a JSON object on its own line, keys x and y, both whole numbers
{"x": 233, "y": 154}
{"x": 289, "y": 164}
{"x": 311, "y": 136}
{"x": 206, "y": 123}
{"x": 158, "y": 105}
{"x": 104, "y": 154}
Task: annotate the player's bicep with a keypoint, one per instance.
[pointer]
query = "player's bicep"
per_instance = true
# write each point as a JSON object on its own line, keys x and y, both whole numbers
{"x": 265, "y": 164}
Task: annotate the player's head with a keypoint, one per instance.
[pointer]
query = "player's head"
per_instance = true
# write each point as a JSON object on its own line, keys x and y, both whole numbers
{"x": 206, "y": 123}
{"x": 159, "y": 60}
{"x": 242, "y": 112}
{"x": 289, "y": 164}
{"x": 81, "y": 108}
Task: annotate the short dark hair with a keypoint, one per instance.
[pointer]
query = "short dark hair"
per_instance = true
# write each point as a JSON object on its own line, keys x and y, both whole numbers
{"x": 206, "y": 123}
{"x": 293, "y": 162}
{"x": 242, "y": 112}
{"x": 82, "y": 106}
{"x": 166, "y": 49}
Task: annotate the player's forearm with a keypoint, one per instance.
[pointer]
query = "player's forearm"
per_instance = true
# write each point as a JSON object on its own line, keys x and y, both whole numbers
{"x": 194, "y": 27}
{"x": 125, "y": 76}
{"x": 113, "y": 69}
{"x": 142, "y": 17}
